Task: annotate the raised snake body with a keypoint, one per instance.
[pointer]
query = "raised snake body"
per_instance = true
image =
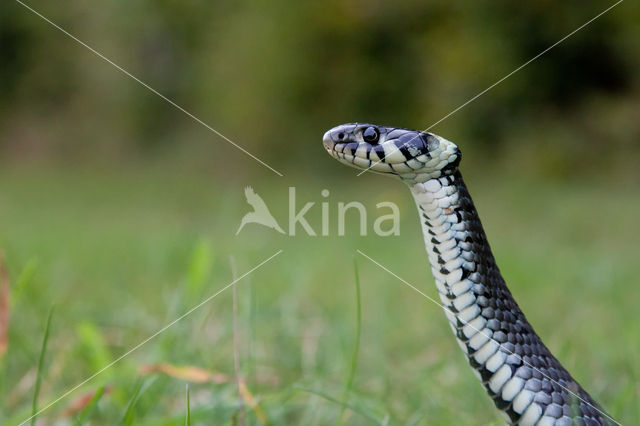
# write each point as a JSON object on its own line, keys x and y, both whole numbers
{"x": 526, "y": 382}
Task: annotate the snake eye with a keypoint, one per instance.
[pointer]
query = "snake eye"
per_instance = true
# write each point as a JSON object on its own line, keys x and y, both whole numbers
{"x": 370, "y": 135}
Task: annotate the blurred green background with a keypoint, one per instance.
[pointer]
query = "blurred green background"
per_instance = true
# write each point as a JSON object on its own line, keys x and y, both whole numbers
{"x": 122, "y": 211}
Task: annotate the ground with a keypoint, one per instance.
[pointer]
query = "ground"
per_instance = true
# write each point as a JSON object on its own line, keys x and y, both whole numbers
{"x": 120, "y": 254}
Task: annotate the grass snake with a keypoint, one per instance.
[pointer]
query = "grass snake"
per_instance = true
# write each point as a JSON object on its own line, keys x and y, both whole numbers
{"x": 525, "y": 381}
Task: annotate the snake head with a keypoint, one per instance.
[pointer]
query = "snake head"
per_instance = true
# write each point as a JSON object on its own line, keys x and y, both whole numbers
{"x": 412, "y": 155}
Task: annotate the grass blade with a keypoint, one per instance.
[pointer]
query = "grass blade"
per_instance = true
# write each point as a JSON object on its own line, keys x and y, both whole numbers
{"x": 4, "y": 307}
{"x": 250, "y": 400}
{"x": 356, "y": 346}
{"x": 24, "y": 280}
{"x": 129, "y": 414}
{"x": 199, "y": 270}
{"x": 236, "y": 351}
{"x": 187, "y": 421}
{"x": 91, "y": 405}
{"x": 43, "y": 350}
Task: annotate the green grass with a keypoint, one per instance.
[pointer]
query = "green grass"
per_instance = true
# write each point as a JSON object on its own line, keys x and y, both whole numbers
{"x": 121, "y": 254}
{"x": 187, "y": 420}
{"x": 43, "y": 351}
{"x": 356, "y": 344}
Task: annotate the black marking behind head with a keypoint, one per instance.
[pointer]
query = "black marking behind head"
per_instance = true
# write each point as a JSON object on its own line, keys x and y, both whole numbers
{"x": 453, "y": 166}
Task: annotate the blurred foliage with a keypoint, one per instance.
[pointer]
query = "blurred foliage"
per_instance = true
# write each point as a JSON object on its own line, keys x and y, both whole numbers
{"x": 274, "y": 75}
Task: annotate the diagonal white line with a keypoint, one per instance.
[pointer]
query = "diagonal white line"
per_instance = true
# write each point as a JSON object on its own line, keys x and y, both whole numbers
{"x": 136, "y": 347}
{"x": 486, "y": 335}
{"x": 525, "y": 64}
{"x": 501, "y": 80}
{"x": 145, "y": 85}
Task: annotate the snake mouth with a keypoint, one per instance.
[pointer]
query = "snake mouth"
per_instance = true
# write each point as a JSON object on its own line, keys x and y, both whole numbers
{"x": 389, "y": 150}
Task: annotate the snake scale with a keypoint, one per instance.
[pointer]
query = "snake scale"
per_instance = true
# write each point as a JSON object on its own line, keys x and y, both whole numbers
{"x": 525, "y": 381}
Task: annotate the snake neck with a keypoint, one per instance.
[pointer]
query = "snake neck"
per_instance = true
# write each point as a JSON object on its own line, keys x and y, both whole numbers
{"x": 526, "y": 382}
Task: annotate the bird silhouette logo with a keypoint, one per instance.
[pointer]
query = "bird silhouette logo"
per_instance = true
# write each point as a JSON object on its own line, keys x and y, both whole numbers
{"x": 260, "y": 214}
